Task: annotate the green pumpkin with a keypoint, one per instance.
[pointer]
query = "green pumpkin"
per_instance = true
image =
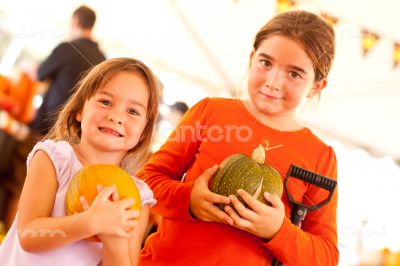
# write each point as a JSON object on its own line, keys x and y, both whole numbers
{"x": 248, "y": 173}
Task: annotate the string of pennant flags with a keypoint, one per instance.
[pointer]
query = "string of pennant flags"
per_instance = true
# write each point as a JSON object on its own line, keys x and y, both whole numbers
{"x": 369, "y": 38}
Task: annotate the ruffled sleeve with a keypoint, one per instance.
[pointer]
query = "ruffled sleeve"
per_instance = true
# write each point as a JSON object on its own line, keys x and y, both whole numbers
{"x": 146, "y": 194}
{"x": 61, "y": 155}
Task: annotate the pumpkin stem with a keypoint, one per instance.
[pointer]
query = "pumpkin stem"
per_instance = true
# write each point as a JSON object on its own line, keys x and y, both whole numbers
{"x": 259, "y": 154}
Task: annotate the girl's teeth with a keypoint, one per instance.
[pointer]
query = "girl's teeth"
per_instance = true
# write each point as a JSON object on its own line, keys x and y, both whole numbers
{"x": 111, "y": 132}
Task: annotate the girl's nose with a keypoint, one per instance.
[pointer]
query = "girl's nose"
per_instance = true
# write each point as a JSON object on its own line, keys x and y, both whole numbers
{"x": 114, "y": 118}
{"x": 275, "y": 79}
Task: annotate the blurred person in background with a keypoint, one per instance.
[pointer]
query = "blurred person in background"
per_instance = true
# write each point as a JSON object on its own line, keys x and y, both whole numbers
{"x": 65, "y": 65}
{"x": 177, "y": 110}
{"x": 62, "y": 68}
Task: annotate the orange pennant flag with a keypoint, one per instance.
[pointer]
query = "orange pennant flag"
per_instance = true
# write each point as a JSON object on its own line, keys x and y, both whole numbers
{"x": 369, "y": 40}
{"x": 396, "y": 54}
{"x": 329, "y": 19}
{"x": 284, "y": 5}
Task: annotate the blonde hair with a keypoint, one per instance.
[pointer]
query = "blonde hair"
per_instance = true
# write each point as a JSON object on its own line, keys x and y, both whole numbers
{"x": 313, "y": 33}
{"x": 68, "y": 128}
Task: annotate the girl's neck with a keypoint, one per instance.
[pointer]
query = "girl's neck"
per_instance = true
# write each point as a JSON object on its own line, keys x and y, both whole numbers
{"x": 88, "y": 155}
{"x": 281, "y": 122}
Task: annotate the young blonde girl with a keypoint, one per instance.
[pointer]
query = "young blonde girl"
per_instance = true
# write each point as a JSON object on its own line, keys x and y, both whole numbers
{"x": 289, "y": 63}
{"x": 109, "y": 118}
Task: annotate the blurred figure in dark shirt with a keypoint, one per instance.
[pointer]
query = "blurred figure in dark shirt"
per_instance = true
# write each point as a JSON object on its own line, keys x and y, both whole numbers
{"x": 65, "y": 66}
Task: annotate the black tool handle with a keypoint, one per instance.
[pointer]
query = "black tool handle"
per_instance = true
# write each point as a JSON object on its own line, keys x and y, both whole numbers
{"x": 297, "y": 214}
{"x": 312, "y": 178}
{"x": 299, "y": 210}
{"x": 276, "y": 262}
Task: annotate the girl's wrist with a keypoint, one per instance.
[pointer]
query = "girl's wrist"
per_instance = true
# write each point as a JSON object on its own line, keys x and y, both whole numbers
{"x": 89, "y": 224}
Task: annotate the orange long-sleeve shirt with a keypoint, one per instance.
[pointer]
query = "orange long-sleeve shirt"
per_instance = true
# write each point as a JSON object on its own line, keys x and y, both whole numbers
{"x": 212, "y": 130}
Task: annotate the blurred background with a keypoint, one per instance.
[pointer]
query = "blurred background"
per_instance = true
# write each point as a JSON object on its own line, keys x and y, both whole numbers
{"x": 201, "y": 49}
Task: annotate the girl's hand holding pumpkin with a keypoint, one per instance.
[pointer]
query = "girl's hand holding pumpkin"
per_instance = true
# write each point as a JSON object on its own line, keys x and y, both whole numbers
{"x": 259, "y": 219}
{"x": 110, "y": 216}
{"x": 202, "y": 200}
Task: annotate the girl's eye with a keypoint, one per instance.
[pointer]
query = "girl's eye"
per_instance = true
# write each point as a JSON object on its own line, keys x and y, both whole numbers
{"x": 105, "y": 102}
{"x": 133, "y": 112}
{"x": 265, "y": 63}
{"x": 294, "y": 74}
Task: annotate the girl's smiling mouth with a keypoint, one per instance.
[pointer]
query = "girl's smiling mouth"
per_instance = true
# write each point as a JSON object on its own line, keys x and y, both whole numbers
{"x": 271, "y": 97}
{"x": 110, "y": 131}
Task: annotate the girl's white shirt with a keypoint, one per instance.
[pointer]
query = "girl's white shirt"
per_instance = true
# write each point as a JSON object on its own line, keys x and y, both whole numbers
{"x": 78, "y": 253}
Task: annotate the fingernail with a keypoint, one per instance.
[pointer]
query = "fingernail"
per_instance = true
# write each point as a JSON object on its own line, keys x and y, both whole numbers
{"x": 267, "y": 194}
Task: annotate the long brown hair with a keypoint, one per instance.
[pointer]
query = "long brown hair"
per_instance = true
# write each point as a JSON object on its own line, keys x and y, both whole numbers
{"x": 313, "y": 33}
{"x": 69, "y": 129}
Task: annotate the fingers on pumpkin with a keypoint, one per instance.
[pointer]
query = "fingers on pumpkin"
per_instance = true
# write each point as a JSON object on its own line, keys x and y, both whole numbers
{"x": 133, "y": 214}
{"x": 127, "y": 203}
{"x": 114, "y": 196}
{"x": 107, "y": 192}
{"x": 223, "y": 217}
{"x": 84, "y": 202}
{"x": 250, "y": 201}
{"x": 241, "y": 209}
{"x": 273, "y": 199}
{"x": 210, "y": 171}
{"x": 236, "y": 220}
{"x": 131, "y": 225}
{"x": 216, "y": 198}
{"x": 99, "y": 188}
{"x": 231, "y": 212}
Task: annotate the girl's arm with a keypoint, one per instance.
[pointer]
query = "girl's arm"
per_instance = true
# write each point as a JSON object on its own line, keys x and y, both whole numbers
{"x": 165, "y": 168}
{"x": 119, "y": 251}
{"x": 135, "y": 242}
{"x": 38, "y": 231}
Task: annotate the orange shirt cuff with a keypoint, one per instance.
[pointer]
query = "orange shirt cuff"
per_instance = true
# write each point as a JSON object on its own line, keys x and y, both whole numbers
{"x": 280, "y": 240}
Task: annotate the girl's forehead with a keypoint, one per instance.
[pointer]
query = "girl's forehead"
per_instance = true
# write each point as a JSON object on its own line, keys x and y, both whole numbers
{"x": 127, "y": 86}
{"x": 123, "y": 81}
{"x": 285, "y": 50}
{"x": 277, "y": 43}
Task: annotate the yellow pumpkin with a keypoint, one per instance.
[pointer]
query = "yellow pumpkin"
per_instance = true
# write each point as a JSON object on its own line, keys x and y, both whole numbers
{"x": 85, "y": 182}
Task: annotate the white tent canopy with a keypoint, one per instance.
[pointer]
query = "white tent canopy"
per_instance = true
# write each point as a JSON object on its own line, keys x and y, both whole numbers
{"x": 201, "y": 48}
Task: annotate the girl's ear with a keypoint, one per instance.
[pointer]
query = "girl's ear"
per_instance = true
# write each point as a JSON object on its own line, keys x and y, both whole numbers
{"x": 78, "y": 117}
{"x": 253, "y": 52}
{"x": 318, "y": 86}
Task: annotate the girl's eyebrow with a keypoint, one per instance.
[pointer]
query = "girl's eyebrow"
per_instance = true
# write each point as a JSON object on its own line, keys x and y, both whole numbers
{"x": 299, "y": 69}
{"x": 132, "y": 101}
